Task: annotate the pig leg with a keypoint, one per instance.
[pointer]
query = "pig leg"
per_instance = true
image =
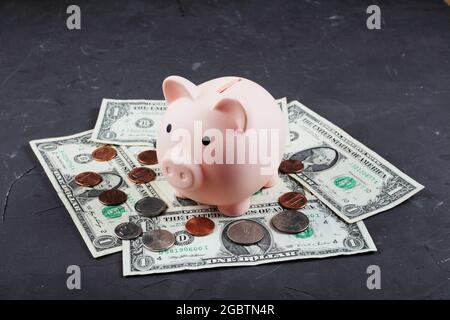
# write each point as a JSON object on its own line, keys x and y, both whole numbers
{"x": 235, "y": 209}
{"x": 272, "y": 181}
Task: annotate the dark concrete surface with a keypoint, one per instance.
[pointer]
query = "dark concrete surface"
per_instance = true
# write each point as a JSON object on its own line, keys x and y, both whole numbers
{"x": 389, "y": 88}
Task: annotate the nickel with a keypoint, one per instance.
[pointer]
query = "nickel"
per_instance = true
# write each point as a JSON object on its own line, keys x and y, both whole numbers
{"x": 158, "y": 240}
{"x": 105, "y": 153}
{"x": 148, "y": 157}
{"x": 291, "y": 166}
{"x": 290, "y": 221}
{"x": 128, "y": 231}
{"x": 88, "y": 179}
{"x": 112, "y": 197}
{"x": 292, "y": 200}
{"x": 199, "y": 226}
{"x": 150, "y": 207}
{"x": 245, "y": 232}
{"x": 141, "y": 175}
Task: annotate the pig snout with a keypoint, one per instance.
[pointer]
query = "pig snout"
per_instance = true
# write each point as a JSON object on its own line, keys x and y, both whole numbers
{"x": 182, "y": 175}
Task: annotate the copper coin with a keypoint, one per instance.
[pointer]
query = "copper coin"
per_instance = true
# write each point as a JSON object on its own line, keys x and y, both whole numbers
{"x": 292, "y": 200}
{"x": 199, "y": 226}
{"x": 290, "y": 221}
{"x": 105, "y": 153}
{"x": 88, "y": 179}
{"x": 245, "y": 232}
{"x": 141, "y": 175}
{"x": 291, "y": 166}
{"x": 112, "y": 197}
{"x": 148, "y": 157}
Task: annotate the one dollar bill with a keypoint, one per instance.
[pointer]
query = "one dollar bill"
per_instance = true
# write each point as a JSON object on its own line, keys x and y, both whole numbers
{"x": 348, "y": 177}
{"x": 326, "y": 236}
{"x": 62, "y": 159}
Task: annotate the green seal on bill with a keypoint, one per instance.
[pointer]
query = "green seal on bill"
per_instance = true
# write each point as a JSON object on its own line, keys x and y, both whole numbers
{"x": 345, "y": 182}
{"x": 112, "y": 212}
{"x": 304, "y": 234}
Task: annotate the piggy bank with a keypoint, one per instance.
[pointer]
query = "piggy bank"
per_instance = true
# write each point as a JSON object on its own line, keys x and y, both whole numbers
{"x": 221, "y": 141}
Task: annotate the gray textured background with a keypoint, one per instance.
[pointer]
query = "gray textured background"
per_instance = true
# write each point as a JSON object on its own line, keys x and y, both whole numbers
{"x": 388, "y": 88}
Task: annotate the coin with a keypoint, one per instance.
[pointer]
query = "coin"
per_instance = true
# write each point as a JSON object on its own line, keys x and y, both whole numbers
{"x": 128, "y": 231}
{"x": 158, "y": 240}
{"x": 150, "y": 207}
{"x": 148, "y": 157}
{"x": 290, "y": 221}
{"x": 88, "y": 179}
{"x": 105, "y": 153}
{"x": 112, "y": 197}
{"x": 291, "y": 166}
{"x": 245, "y": 232}
{"x": 199, "y": 226}
{"x": 141, "y": 175}
{"x": 292, "y": 200}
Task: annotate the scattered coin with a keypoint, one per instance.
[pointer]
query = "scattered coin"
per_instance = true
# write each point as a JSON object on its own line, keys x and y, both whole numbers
{"x": 88, "y": 179}
{"x": 291, "y": 166}
{"x": 105, "y": 153}
{"x": 292, "y": 200}
{"x": 112, "y": 197}
{"x": 148, "y": 157}
{"x": 150, "y": 207}
{"x": 128, "y": 231}
{"x": 290, "y": 221}
{"x": 245, "y": 232}
{"x": 199, "y": 226}
{"x": 158, "y": 240}
{"x": 141, "y": 175}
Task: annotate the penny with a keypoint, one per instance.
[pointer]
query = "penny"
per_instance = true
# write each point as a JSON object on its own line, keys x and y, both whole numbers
{"x": 292, "y": 200}
{"x": 199, "y": 226}
{"x": 105, "y": 153}
{"x": 290, "y": 221}
{"x": 128, "y": 231}
{"x": 150, "y": 207}
{"x": 88, "y": 179}
{"x": 112, "y": 197}
{"x": 148, "y": 157}
{"x": 141, "y": 175}
{"x": 291, "y": 166}
{"x": 158, "y": 240}
{"x": 245, "y": 232}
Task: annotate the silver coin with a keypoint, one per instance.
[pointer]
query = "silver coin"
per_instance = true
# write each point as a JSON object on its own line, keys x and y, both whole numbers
{"x": 128, "y": 231}
{"x": 150, "y": 207}
{"x": 245, "y": 232}
{"x": 158, "y": 240}
{"x": 290, "y": 221}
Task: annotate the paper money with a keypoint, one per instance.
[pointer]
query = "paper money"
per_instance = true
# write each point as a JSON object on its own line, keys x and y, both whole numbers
{"x": 135, "y": 122}
{"x": 326, "y": 236}
{"x": 64, "y": 157}
{"x": 348, "y": 177}
{"x": 129, "y": 122}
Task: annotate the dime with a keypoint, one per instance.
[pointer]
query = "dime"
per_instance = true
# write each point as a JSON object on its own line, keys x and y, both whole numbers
{"x": 245, "y": 232}
{"x": 141, "y": 175}
{"x": 158, "y": 240}
{"x": 148, "y": 157}
{"x": 88, "y": 179}
{"x": 105, "y": 153}
{"x": 150, "y": 207}
{"x": 290, "y": 221}
{"x": 291, "y": 166}
{"x": 128, "y": 231}
{"x": 112, "y": 197}
{"x": 292, "y": 200}
{"x": 199, "y": 226}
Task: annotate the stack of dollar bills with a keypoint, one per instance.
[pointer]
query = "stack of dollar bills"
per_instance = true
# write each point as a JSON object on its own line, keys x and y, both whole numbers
{"x": 343, "y": 180}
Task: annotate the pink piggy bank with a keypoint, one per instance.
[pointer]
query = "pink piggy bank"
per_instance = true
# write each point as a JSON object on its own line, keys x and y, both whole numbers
{"x": 221, "y": 141}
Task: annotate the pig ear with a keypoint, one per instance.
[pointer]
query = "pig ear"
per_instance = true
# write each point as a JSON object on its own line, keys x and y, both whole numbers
{"x": 175, "y": 87}
{"x": 233, "y": 109}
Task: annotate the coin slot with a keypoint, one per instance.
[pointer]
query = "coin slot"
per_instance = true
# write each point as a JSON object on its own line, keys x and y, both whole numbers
{"x": 228, "y": 85}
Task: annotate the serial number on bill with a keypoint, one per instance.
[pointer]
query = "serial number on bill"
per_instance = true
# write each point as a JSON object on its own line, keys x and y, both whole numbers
{"x": 231, "y": 309}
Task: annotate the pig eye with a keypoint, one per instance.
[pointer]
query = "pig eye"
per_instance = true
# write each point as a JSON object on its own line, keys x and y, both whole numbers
{"x": 206, "y": 140}
{"x": 169, "y": 128}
